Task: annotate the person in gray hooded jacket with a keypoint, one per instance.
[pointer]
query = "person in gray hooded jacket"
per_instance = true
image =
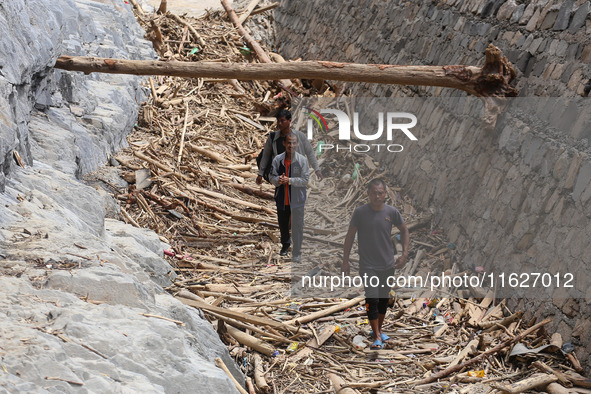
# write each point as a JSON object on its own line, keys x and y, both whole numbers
{"x": 290, "y": 174}
{"x": 274, "y": 146}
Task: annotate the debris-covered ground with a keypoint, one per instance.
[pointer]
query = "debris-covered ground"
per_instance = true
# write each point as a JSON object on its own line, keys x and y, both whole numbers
{"x": 191, "y": 173}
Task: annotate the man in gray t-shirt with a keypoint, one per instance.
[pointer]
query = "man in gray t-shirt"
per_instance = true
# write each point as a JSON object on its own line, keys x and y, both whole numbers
{"x": 373, "y": 223}
{"x": 376, "y": 250}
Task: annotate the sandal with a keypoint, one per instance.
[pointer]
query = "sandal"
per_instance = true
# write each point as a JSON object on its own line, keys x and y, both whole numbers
{"x": 384, "y": 337}
{"x": 377, "y": 345}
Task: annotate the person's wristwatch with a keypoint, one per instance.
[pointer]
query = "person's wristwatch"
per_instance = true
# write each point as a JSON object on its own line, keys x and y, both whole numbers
{"x": 289, "y": 181}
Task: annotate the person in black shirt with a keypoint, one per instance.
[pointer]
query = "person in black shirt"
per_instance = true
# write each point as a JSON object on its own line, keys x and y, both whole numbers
{"x": 274, "y": 145}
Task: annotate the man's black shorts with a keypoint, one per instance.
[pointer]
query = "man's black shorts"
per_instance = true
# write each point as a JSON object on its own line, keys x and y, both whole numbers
{"x": 380, "y": 288}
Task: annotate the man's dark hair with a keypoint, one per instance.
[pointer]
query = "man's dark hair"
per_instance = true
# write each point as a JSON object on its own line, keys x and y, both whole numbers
{"x": 376, "y": 182}
{"x": 284, "y": 113}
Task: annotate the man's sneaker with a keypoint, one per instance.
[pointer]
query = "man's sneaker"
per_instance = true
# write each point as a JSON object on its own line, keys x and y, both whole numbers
{"x": 296, "y": 258}
{"x": 284, "y": 250}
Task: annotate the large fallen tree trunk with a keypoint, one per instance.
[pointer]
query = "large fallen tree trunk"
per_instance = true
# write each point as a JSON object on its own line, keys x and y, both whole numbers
{"x": 490, "y": 80}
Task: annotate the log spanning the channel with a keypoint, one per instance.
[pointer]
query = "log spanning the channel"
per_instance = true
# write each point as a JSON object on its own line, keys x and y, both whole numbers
{"x": 490, "y": 80}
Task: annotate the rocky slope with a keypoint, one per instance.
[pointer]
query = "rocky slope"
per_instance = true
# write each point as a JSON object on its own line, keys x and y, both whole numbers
{"x": 75, "y": 288}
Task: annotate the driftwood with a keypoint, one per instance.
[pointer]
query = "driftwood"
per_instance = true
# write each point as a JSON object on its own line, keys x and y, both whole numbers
{"x": 556, "y": 340}
{"x": 575, "y": 362}
{"x": 162, "y": 8}
{"x": 266, "y": 331}
{"x": 340, "y": 385}
{"x": 326, "y": 312}
{"x": 313, "y": 343}
{"x": 250, "y": 385}
{"x": 564, "y": 380}
{"x": 177, "y": 322}
{"x": 228, "y": 297}
{"x": 555, "y": 388}
{"x": 243, "y": 316}
{"x": 324, "y": 215}
{"x": 482, "y": 356}
{"x": 578, "y": 380}
{"x": 250, "y": 341}
{"x": 246, "y": 219}
{"x": 182, "y": 144}
{"x": 503, "y": 322}
{"x": 137, "y": 6}
{"x": 232, "y": 199}
{"x": 394, "y": 353}
{"x": 159, "y": 165}
{"x": 209, "y": 153}
{"x": 411, "y": 268}
{"x": 217, "y": 246}
{"x": 220, "y": 364}
{"x": 251, "y": 6}
{"x": 191, "y": 28}
{"x": 259, "y": 10}
{"x": 490, "y": 80}
{"x": 537, "y": 380}
{"x": 252, "y": 192}
{"x": 76, "y": 383}
{"x": 231, "y": 289}
{"x": 259, "y": 377}
{"x": 468, "y": 350}
{"x": 250, "y": 40}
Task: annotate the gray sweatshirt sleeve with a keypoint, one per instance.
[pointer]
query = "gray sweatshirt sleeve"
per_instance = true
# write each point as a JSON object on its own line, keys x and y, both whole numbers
{"x": 308, "y": 151}
{"x": 267, "y": 155}
{"x": 273, "y": 175}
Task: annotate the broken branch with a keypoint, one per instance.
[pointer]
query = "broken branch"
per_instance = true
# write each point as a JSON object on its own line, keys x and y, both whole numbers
{"x": 249, "y": 40}
{"x": 482, "y": 356}
{"x": 220, "y": 364}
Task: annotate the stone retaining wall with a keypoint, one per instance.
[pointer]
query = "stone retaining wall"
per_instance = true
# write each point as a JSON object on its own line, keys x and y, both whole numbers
{"x": 549, "y": 41}
{"x": 518, "y": 195}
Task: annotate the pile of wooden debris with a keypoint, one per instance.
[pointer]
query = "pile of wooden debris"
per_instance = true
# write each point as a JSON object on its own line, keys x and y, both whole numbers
{"x": 191, "y": 170}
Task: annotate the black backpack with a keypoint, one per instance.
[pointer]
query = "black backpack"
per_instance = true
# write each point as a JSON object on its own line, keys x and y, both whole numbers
{"x": 267, "y": 170}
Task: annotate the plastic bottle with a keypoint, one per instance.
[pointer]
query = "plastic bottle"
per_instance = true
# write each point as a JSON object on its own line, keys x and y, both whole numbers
{"x": 359, "y": 342}
{"x": 355, "y": 171}
{"x": 319, "y": 148}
